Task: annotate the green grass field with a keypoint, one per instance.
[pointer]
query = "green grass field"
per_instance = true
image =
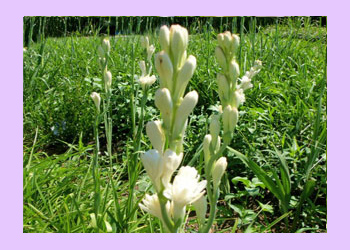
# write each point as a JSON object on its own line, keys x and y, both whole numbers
{"x": 281, "y": 132}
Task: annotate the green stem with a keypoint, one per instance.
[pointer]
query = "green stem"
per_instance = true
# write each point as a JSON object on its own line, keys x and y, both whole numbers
{"x": 169, "y": 224}
{"x": 213, "y": 195}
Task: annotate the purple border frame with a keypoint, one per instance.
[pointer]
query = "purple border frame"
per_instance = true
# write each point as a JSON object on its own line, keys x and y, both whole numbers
{"x": 12, "y": 13}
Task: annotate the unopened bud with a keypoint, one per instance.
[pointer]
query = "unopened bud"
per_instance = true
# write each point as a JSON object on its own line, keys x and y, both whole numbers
{"x": 227, "y": 41}
{"x": 234, "y": 70}
{"x": 97, "y": 100}
{"x": 206, "y": 148}
{"x": 184, "y": 75}
{"x": 214, "y": 129}
{"x": 223, "y": 88}
{"x": 144, "y": 42}
{"x": 218, "y": 171}
{"x": 178, "y": 43}
{"x": 100, "y": 52}
{"x": 107, "y": 77}
{"x": 164, "y": 38}
{"x": 151, "y": 160}
{"x": 156, "y": 135}
{"x": 235, "y": 43}
{"x": 220, "y": 56}
{"x": 106, "y": 46}
{"x": 164, "y": 103}
{"x": 229, "y": 119}
{"x": 165, "y": 69}
{"x": 221, "y": 40}
{"x": 143, "y": 68}
{"x": 150, "y": 52}
{"x": 184, "y": 110}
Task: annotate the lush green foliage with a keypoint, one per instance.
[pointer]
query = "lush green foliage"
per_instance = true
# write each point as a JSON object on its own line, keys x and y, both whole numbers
{"x": 276, "y": 176}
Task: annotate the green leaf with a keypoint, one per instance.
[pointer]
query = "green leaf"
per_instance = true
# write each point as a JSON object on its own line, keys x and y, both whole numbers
{"x": 244, "y": 180}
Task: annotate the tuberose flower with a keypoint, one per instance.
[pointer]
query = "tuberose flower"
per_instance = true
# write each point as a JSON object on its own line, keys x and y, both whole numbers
{"x": 185, "y": 190}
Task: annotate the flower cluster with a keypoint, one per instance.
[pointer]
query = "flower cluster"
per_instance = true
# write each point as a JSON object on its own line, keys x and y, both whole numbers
{"x": 146, "y": 79}
{"x": 103, "y": 53}
{"x": 175, "y": 70}
{"x": 231, "y": 95}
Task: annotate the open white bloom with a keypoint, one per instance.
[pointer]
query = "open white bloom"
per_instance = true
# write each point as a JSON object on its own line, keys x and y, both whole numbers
{"x": 152, "y": 161}
{"x": 245, "y": 83}
{"x": 238, "y": 98}
{"x": 170, "y": 162}
{"x": 185, "y": 190}
{"x": 145, "y": 79}
{"x": 151, "y": 205}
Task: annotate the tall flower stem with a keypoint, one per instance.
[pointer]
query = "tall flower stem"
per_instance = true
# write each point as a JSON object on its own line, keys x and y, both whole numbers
{"x": 213, "y": 195}
{"x": 95, "y": 171}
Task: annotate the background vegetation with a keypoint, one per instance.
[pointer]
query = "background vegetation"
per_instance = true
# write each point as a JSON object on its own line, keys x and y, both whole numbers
{"x": 282, "y": 123}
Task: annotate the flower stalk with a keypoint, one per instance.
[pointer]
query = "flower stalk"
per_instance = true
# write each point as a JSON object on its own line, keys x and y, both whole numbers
{"x": 231, "y": 95}
{"x": 175, "y": 70}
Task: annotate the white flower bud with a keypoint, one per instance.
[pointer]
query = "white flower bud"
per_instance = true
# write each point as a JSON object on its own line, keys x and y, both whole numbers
{"x": 227, "y": 41}
{"x": 156, "y": 135}
{"x": 170, "y": 162}
{"x": 106, "y": 46}
{"x": 178, "y": 43}
{"x": 97, "y": 100}
{"x": 165, "y": 69}
{"x": 164, "y": 103}
{"x": 234, "y": 70}
{"x": 100, "y": 52}
{"x": 223, "y": 88}
{"x": 184, "y": 75}
{"x": 144, "y": 42}
{"x": 151, "y": 160}
{"x": 229, "y": 118}
{"x": 150, "y": 52}
{"x": 218, "y": 171}
{"x": 220, "y": 56}
{"x": 214, "y": 129}
{"x": 164, "y": 38}
{"x": 142, "y": 65}
{"x": 206, "y": 148}
{"x": 221, "y": 40}
{"x": 184, "y": 110}
{"x": 107, "y": 77}
{"x": 200, "y": 206}
{"x": 235, "y": 43}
